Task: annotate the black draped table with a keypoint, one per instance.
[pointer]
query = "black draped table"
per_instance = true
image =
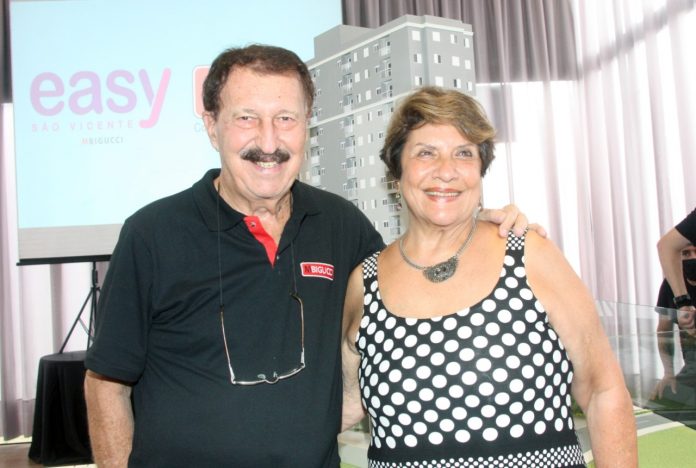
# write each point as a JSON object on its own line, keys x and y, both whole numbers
{"x": 60, "y": 434}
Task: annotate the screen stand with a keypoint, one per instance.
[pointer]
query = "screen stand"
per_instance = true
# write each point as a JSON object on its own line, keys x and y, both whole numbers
{"x": 92, "y": 298}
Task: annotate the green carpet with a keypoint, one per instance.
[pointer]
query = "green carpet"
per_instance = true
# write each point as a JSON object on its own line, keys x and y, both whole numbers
{"x": 671, "y": 448}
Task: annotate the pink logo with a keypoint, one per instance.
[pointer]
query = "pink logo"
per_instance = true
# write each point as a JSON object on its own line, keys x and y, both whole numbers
{"x": 87, "y": 92}
{"x": 199, "y": 75}
{"x": 317, "y": 270}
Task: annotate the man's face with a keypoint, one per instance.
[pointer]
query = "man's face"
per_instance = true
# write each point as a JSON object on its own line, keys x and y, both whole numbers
{"x": 688, "y": 256}
{"x": 260, "y": 133}
{"x": 688, "y": 253}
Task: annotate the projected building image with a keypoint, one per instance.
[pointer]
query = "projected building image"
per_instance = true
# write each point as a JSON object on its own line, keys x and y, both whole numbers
{"x": 359, "y": 75}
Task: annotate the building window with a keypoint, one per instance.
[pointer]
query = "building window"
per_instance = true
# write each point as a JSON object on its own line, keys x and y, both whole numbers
{"x": 418, "y": 80}
{"x": 371, "y": 160}
{"x": 458, "y": 83}
{"x": 455, "y": 60}
{"x": 439, "y": 81}
{"x": 437, "y": 58}
{"x": 470, "y": 86}
{"x": 467, "y": 64}
{"x": 357, "y": 78}
{"x": 380, "y": 135}
{"x": 366, "y": 75}
{"x": 453, "y": 38}
{"x": 416, "y": 35}
{"x": 366, "y": 51}
{"x": 374, "y": 203}
{"x": 385, "y": 224}
{"x": 368, "y": 95}
{"x": 355, "y": 56}
{"x": 467, "y": 42}
{"x": 418, "y": 58}
{"x": 358, "y": 119}
{"x": 436, "y": 36}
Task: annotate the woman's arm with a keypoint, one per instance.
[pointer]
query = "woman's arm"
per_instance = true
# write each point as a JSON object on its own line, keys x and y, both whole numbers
{"x": 353, "y": 411}
{"x": 598, "y": 384}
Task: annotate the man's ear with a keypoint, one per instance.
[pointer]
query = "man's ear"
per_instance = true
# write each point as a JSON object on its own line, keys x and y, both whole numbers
{"x": 209, "y": 121}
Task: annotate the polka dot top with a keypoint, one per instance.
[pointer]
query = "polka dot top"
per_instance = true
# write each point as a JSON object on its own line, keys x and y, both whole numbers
{"x": 487, "y": 386}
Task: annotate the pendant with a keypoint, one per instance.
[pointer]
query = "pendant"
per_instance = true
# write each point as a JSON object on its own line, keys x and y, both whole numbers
{"x": 442, "y": 271}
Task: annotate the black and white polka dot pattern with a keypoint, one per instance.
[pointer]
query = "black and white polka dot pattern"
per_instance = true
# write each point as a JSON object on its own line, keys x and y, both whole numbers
{"x": 553, "y": 457}
{"x": 495, "y": 375}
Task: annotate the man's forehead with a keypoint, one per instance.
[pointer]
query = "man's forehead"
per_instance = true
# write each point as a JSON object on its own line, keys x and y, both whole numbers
{"x": 250, "y": 88}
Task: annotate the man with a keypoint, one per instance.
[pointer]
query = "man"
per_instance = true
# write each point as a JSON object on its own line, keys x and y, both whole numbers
{"x": 676, "y": 392}
{"x": 220, "y": 316}
{"x": 669, "y": 249}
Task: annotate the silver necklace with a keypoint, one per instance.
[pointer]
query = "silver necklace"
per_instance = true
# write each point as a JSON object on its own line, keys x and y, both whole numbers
{"x": 444, "y": 270}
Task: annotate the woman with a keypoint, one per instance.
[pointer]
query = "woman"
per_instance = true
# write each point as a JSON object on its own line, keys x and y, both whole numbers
{"x": 457, "y": 362}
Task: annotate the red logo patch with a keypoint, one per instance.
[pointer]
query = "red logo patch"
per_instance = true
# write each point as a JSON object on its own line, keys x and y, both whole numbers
{"x": 317, "y": 270}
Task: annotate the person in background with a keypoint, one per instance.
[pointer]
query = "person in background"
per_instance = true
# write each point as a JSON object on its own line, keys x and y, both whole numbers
{"x": 669, "y": 249}
{"x": 218, "y": 327}
{"x": 465, "y": 348}
{"x": 675, "y": 393}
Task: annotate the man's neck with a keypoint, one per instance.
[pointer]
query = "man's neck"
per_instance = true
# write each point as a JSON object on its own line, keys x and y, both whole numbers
{"x": 273, "y": 214}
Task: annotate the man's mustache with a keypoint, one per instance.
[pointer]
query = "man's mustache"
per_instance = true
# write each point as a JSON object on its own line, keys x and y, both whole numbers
{"x": 255, "y": 155}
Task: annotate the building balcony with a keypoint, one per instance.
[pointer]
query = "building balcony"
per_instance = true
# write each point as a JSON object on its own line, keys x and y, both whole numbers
{"x": 394, "y": 207}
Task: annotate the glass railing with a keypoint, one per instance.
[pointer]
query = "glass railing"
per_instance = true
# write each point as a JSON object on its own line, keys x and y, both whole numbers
{"x": 665, "y": 409}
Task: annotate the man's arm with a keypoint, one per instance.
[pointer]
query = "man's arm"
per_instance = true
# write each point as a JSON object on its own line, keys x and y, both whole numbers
{"x": 665, "y": 346}
{"x": 510, "y": 218}
{"x": 669, "y": 249}
{"x": 110, "y": 417}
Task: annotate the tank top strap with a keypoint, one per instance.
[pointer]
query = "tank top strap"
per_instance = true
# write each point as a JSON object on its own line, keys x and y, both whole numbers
{"x": 370, "y": 285}
{"x": 369, "y": 267}
{"x": 514, "y": 248}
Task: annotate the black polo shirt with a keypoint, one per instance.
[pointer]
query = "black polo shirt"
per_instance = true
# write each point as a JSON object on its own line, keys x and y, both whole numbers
{"x": 158, "y": 326}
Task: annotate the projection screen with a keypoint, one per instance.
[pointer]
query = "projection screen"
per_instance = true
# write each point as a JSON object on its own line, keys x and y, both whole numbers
{"x": 107, "y": 108}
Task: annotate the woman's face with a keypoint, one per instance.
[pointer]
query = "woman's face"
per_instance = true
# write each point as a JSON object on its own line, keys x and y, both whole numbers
{"x": 441, "y": 176}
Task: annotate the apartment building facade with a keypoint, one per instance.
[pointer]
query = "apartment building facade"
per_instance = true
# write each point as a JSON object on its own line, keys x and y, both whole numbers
{"x": 359, "y": 75}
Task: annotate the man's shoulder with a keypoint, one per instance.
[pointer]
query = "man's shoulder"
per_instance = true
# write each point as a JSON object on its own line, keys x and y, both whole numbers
{"x": 170, "y": 206}
{"x": 328, "y": 203}
{"x": 687, "y": 227}
{"x": 174, "y": 206}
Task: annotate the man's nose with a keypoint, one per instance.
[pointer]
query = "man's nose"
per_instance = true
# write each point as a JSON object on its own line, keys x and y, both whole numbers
{"x": 267, "y": 138}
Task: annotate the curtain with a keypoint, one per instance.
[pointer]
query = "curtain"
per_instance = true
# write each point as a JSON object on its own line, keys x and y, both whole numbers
{"x": 38, "y": 304}
{"x": 594, "y": 106}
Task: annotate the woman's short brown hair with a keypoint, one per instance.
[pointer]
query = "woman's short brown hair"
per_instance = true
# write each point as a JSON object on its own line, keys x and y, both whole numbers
{"x": 439, "y": 106}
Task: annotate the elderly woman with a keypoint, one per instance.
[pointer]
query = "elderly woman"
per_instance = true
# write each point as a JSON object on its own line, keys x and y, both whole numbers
{"x": 464, "y": 347}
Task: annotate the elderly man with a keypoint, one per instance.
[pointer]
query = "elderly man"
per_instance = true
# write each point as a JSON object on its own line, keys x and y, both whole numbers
{"x": 217, "y": 340}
